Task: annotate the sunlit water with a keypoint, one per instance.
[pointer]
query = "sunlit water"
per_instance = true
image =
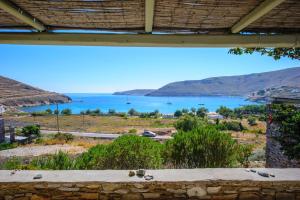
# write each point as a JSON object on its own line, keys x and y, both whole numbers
{"x": 104, "y": 102}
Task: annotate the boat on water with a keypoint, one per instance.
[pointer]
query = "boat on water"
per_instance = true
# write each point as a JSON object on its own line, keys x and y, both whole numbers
{"x": 127, "y": 101}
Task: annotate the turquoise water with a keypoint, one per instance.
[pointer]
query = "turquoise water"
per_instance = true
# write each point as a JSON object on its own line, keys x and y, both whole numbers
{"x": 82, "y": 102}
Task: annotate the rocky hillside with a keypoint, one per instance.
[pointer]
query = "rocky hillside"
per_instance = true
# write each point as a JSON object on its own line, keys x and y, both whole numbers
{"x": 242, "y": 85}
{"x": 14, "y": 93}
{"x": 137, "y": 92}
{"x": 269, "y": 93}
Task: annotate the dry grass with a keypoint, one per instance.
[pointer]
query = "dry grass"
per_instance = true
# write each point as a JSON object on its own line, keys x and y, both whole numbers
{"x": 107, "y": 124}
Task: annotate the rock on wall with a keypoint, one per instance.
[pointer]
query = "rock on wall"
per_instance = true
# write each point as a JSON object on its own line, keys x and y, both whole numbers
{"x": 274, "y": 155}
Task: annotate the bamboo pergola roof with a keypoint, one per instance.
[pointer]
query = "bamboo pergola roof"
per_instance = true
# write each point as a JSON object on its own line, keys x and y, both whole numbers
{"x": 153, "y": 17}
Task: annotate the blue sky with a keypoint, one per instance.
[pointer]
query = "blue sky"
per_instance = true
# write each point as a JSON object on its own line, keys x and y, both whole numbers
{"x": 108, "y": 69}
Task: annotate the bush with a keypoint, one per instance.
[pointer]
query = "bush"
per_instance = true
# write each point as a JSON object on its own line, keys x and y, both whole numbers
{"x": 187, "y": 123}
{"x": 64, "y": 136}
{"x": 224, "y": 111}
{"x": 231, "y": 126}
{"x": 31, "y": 130}
{"x": 201, "y": 112}
{"x": 49, "y": 111}
{"x": 201, "y": 147}
{"x": 132, "y": 131}
{"x": 58, "y": 161}
{"x": 133, "y": 112}
{"x": 252, "y": 121}
{"x": 126, "y": 152}
{"x": 66, "y": 111}
{"x": 41, "y": 113}
{"x": 4, "y": 146}
{"x": 111, "y": 111}
{"x": 178, "y": 113}
{"x": 12, "y": 163}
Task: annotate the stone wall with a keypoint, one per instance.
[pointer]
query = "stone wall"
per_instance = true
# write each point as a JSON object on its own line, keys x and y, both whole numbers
{"x": 96, "y": 185}
{"x": 2, "y": 130}
{"x": 274, "y": 155}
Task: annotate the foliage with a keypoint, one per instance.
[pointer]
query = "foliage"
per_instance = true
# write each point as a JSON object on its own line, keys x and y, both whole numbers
{"x": 223, "y": 110}
{"x": 276, "y": 53}
{"x": 288, "y": 117}
{"x": 41, "y": 113}
{"x": 250, "y": 110}
{"x": 126, "y": 152}
{"x": 96, "y": 112}
{"x": 64, "y": 136}
{"x": 31, "y": 130}
{"x": 243, "y": 153}
{"x": 202, "y": 147}
{"x": 66, "y": 111}
{"x": 111, "y": 111}
{"x": 201, "y": 112}
{"x": 178, "y": 113}
{"x": 187, "y": 123}
{"x": 49, "y": 111}
{"x": 4, "y": 146}
{"x": 56, "y": 112}
{"x": 58, "y": 161}
{"x": 132, "y": 131}
{"x": 252, "y": 121}
{"x": 133, "y": 112}
{"x": 258, "y": 155}
{"x": 231, "y": 126}
{"x": 12, "y": 163}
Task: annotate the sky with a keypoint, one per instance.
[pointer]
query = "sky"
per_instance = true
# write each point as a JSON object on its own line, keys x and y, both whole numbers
{"x": 78, "y": 69}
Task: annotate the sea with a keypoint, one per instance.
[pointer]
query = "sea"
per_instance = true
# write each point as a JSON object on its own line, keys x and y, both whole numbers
{"x": 122, "y": 103}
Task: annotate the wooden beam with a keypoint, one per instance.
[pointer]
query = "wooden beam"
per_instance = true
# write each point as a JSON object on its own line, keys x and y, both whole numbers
{"x": 21, "y": 15}
{"x": 149, "y": 15}
{"x": 151, "y": 40}
{"x": 255, "y": 14}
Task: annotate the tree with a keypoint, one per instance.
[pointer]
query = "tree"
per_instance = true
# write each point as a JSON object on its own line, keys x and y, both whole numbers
{"x": 276, "y": 53}
{"x": 49, "y": 111}
{"x": 223, "y": 110}
{"x": 187, "y": 123}
{"x": 66, "y": 111}
{"x": 31, "y": 130}
{"x": 111, "y": 111}
{"x": 178, "y": 113}
{"x": 132, "y": 112}
{"x": 201, "y": 112}
{"x": 252, "y": 121}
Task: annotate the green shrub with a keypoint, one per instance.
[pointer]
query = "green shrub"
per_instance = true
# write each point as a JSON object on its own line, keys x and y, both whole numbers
{"x": 49, "y": 111}
{"x": 4, "y": 146}
{"x": 231, "y": 126}
{"x": 41, "y": 113}
{"x": 224, "y": 111}
{"x": 201, "y": 147}
{"x": 187, "y": 123}
{"x": 12, "y": 163}
{"x": 252, "y": 121}
{"x": 31, "y": 130}
{"x": 243, "y": 154}
{"x": 132, "y": 131}
{"x": 64, "y": 136}
{"x": 178, "y": 113}
{"x": 126, "y": 152}
{"x": 111, "y": 111}
{"x": 58, "y": 161}
{"x": 66, "y": 111}
{"x": 133, "y": 112}
{"x": 201, "y": 112}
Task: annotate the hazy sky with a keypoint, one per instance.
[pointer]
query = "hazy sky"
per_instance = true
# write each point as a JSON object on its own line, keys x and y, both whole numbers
{"x": 108, "y": 69}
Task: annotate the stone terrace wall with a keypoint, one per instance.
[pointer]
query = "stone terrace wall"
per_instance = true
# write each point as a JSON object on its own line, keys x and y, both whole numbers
{"x": 274, "y": 155}
{"x": 237, "y": 184}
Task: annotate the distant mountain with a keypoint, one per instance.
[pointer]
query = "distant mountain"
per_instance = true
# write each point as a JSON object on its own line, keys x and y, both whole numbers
{"x": 242, "y": 85}
{"x": 14, "y": 93}
{"x": 137, "y": 92}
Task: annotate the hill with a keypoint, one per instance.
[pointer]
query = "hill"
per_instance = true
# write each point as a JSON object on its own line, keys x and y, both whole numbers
{"x": 242, "y": 85}
{"x": 137, "y": 92}
{"x": 14, "y": 93}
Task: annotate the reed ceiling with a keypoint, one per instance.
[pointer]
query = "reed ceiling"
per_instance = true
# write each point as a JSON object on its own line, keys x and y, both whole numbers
{"x": 175, "y": 16}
